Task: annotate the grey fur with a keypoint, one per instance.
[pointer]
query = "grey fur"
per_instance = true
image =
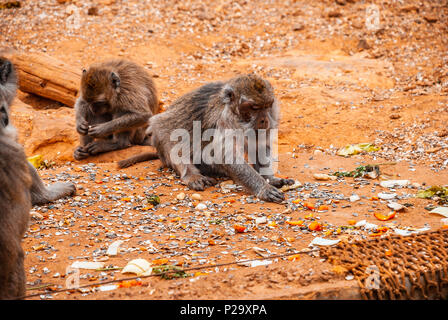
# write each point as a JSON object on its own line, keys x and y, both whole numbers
{"x": 117, "y": 99}
{"x": 15, "y": 199}
{"x": 39, "y": 193}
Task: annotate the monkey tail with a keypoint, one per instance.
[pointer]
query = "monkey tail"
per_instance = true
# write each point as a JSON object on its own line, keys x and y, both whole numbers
{"x": 146, "y": 156}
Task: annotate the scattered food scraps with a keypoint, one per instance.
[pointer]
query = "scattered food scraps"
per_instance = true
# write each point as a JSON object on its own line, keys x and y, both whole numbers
{"x": 139, "y": 267}
{"x": 353, "y": 149}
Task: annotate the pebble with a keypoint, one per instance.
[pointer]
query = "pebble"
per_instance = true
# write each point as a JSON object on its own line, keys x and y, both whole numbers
{"x": 386, "y": 196}
{"x": 181, "y": 196}
{"x": 201, "y": 206}
{"x": 196, "y": 196}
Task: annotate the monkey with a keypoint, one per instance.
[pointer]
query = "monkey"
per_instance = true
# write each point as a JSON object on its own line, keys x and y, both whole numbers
{"x": 15, "y": 196}
{"x": 40, "y": 194}
{"x": 244, "y": 102}
{"x": 117, "y": 99}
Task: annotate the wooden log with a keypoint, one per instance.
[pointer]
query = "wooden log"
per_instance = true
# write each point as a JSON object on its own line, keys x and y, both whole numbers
{"x": 46, "y": 76}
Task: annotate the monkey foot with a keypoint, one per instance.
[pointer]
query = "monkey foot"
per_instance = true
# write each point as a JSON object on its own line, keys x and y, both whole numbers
{"x": 271, "y": 194}
{"x": 80, "y": 153}
{"x": 279, "y": 182}
{"x": 199, "y": 182}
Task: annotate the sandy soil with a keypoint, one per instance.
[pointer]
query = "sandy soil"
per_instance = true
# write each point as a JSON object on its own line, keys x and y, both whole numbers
{"x": 338, "y": 82}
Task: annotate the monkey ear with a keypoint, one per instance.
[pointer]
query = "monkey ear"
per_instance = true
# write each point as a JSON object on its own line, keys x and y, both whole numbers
{"x": 5, "y": 71}
{"x": 115, "y": 80}
{"x": 228, "y": 94}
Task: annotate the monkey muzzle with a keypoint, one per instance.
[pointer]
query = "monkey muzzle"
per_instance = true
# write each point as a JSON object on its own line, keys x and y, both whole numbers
{"x": 4, "y": 118}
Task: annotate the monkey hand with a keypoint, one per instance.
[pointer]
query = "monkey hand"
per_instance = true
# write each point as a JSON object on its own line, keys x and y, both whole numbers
{"x": 271, "y": 194}
{"x": 82, "y": 127}
{"x": 279, "y": 182}
{"x": 80, "y": 153}
{"x": 97, "y": 131}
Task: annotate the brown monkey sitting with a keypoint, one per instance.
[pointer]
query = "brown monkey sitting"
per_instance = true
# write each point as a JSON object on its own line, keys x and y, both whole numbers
{"x": 40, "y": 194}
{"x": 242, "y": 103}
{"x": 117, "y": 99}
{"x": 15, "y": 196}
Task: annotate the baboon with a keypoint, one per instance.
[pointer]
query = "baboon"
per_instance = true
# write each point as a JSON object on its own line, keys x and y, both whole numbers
{"x": 117, "y": 99}
{"x": 39, "y": 193}
{"x": 243, "y": 103}
{"x": 15, "y": 197}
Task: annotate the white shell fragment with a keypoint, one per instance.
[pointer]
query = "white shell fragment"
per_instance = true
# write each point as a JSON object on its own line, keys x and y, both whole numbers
{"x": 386, "y": 196}
{"x": 443, "y": 211}
{"x": 261, "y": 220}
{"x": 201, "y": 206}
{"x": 262, "y": 252}
{"x": 114, "y": 248}
{"x": 296, "y": 185}
{"x": 255, "y": 263}
{"x": 403, "y": 232}
{"x": 87, "y": 265}
{"x": 366, "y": 225}
{"x": 140, "y": 267}
{"x": 323, "y": 177}
{"x": 394, "y": 183}
{"x": 354, "y": 198}
{"x": 108, "y": 287}
{"x": 318, "y": 241}
{"x": 395, "y": 206}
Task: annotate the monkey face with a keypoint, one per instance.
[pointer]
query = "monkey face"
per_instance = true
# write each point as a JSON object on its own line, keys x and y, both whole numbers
{"x": 251, "y": 98}
{"x": 99, "y": 86}
{"x": 255, "y": 114}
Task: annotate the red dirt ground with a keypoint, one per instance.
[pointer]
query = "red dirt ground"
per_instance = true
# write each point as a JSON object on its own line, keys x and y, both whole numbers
{"x": 338, "y": 83}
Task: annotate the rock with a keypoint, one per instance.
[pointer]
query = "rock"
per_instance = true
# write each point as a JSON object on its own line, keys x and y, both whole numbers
{"x": 354, "y": 198}
{"x": 409, "y": 8}
{"x": 317, "y": 152}
{"x": 50, "y": 133}
{"x": 201, "y": 206}
{"x": 334, "y": 14}
{"x": 298, "y": 27}
{"x": 395, "y": 116}
{"x": 386, "y": 196}
{"x": 36, "y": 215}
{"x": 394, "y": 183}
{"x": 363, "y": 45}
{"x": 181, "y": 196}
{"x": 261, "y": 220}
{"x": 341, "y": 2}
{"x": 323, "y": 177}
{"x": 114, "y": 248}
{"x": 430, "y": 18}
{"x": 395, "y": 206}
{"x": 93, "y": 11}
{"x": 196, "y": 196}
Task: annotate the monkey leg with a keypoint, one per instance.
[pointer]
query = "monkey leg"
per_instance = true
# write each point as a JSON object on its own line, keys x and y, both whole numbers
{"x": 247, "y": 176}
{"x": 18, "y": 277}
{"x": 41, "y": 194}
{"x": 81, "y": 151}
